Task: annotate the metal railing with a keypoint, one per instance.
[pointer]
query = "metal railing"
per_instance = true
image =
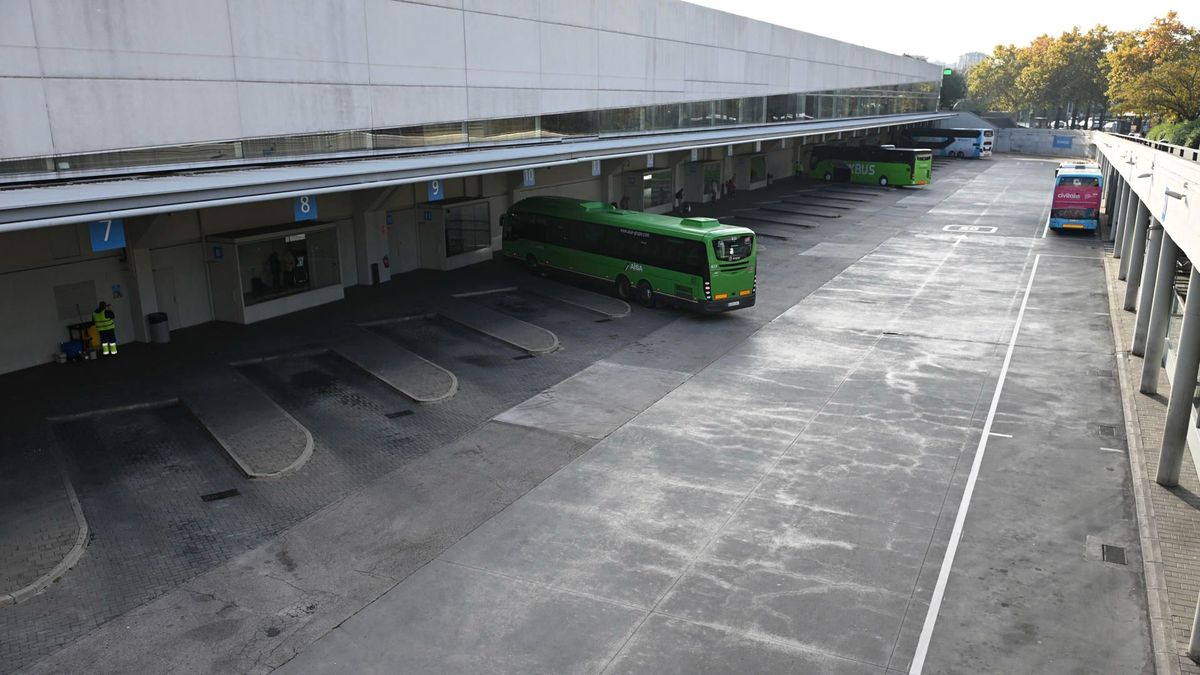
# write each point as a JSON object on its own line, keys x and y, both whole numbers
{"x": 1192, "y": 154}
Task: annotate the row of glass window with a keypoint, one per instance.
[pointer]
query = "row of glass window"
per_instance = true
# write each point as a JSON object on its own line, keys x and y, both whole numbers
{"x": 755, "y": 110}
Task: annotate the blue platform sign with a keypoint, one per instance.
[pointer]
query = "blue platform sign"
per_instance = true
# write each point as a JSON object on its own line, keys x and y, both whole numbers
{"x": 528, "y": 178}
{"x": 107, "y": 234}
{"x": 304, "y": 208}
{"x": 1062, "y": 141}
{"x": 595, "y": 167}
{"x": 435, "y": 191}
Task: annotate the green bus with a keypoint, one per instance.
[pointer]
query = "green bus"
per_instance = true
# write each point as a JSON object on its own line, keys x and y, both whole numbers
{"x": 696, "y": 262}
{"x": 882, "y": 165}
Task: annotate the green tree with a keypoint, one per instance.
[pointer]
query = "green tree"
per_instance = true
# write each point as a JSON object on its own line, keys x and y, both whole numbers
{"x": 1154, "y": 71}
{"x": 954, "y": 89}
{"x": 992, "y": 83}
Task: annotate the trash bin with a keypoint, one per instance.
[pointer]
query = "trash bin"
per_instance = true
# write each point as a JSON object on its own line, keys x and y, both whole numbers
{"x": 160, "y": 330}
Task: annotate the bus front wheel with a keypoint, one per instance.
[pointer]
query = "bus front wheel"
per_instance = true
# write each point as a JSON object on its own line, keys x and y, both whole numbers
{"x": 624, "y": 290}
{"x": 828, "y": 176}
{"x": 531, "y": 264}
{"x": 883, "y": 181}
{"x": 645, "y": 294}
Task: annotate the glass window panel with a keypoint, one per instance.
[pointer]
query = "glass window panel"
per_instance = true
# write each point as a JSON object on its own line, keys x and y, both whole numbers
{"x": 754, "y": 110}
{"x": 727, "y": 112}
{"x": 288, "y": 265}
{"x": 468, "y": 228}
{"x": 697, "y": 114}
{"x": 570, "y": 124}
{"x": 665, "y": 116}
{"x": 657, "y": 188}
{"x": 502, "y": 130}
{"x": 620, "y": 120}
{"x": 758, "y": 168}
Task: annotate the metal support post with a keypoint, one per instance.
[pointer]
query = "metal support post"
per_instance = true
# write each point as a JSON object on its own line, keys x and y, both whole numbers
{"x": 1118, "y": 217}
{"x": 1137, "y": 251}
{"x": 1194, "y": 641}
{"x": 1183, "y": 389}
{"x": 1160, "y": 312}
{"x": 1131, "y": 207}
{"x": 1154, "y": 238}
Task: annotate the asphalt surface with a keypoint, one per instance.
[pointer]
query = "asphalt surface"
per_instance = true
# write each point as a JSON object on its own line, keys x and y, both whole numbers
{"x": 770, "y": 490}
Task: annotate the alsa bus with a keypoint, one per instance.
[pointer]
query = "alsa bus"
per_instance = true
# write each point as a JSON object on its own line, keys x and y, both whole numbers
{"x": 881, "y": 165}
{"x": 1076, "y": 204}
{"x": 697, "y": 262}
{"x": 973, "y": 143}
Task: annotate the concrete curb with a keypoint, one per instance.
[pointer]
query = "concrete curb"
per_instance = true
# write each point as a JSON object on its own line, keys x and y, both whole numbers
{"x": 1162, "y": 632}
{"x": 425, "y": 400}
{"x": 240, "y": 463}
{"x": 81, "y": 537}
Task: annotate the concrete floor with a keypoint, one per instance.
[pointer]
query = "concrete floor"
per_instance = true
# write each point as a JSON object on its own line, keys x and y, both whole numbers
{"x": 773, "y": 490}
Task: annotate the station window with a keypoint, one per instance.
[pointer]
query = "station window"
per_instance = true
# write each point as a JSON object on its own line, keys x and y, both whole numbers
{"x": 288, "y": 264}
{"x": 656, "y": 188}
{"x": 468, "y": 228}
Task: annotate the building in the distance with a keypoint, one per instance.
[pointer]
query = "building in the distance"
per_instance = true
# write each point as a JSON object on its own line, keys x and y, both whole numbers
{"x": 966, "y": 61}
{"x": 189, "y": 156}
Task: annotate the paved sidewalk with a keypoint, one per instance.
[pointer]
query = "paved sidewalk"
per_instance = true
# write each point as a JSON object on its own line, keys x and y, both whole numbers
{"x": 1173, "y": 514}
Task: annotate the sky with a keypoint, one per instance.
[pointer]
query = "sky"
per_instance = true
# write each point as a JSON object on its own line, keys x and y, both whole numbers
{"x": 943, "y": 30}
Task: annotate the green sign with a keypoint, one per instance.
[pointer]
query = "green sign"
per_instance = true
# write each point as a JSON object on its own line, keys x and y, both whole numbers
{"x": 947, "y": 71}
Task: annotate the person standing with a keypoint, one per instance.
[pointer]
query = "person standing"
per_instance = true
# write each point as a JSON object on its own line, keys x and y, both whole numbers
{"x": 106, "y": 325}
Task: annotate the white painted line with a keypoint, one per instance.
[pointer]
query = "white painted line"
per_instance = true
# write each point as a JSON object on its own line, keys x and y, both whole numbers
{"x": 973, "y": 229}
{"x": 1116, "y": 450}
{"x": 939, "y": 590}
{"x": 993, "y": 433}
{"x": 471, "y": 294}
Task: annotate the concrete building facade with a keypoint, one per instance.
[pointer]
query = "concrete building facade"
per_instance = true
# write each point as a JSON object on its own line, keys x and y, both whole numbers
{"x": 256, "y": 158}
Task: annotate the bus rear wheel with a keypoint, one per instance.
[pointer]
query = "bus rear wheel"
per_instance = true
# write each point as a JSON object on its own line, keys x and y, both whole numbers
{"x": 645, "y": 294}
{"x": 531, "y": 264}
{"x": 829, "y": 176}
{"x": 883, "y": 181}
{"x": 624, "y": 290}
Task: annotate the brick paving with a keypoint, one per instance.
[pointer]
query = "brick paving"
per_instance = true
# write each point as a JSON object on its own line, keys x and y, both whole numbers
{"x": 1175, "y": 523}
{"x": 37, "y": 523}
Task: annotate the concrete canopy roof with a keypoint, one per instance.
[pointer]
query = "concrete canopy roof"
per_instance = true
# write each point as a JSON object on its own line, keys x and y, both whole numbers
{"x": 49, "y": 205}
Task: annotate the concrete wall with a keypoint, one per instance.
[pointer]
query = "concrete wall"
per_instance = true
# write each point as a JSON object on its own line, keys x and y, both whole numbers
{"x": 89, "y": 75}
{"x": 964, "y": 120}
{"x": 1042, "y": 142}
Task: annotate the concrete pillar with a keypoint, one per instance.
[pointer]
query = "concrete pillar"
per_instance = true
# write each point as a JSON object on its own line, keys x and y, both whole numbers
{"x": 371, "y": 246}
{"x": 1118, "y": 217}
{"x": 1160, "y": 312}
{"x": 143, "y": 296}
{"x": 1194, "y": 642}
{"x": 1145, "y": 300}
{"x": 1131, "y": 207}
{"x": 1133, "y": 261}
{"x": 1183, "y": 389}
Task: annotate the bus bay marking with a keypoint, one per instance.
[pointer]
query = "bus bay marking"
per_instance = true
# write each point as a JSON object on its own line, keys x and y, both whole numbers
{"x": 974, "y": 229}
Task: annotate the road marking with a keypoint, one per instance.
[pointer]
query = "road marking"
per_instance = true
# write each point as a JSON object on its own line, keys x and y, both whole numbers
{"x": 974, "y": 229}
{"x": 1121, "y": 452}
{"x": 472, "y": 294}
{"x": 939, "y": 590}
{"x": 993, "y": 433}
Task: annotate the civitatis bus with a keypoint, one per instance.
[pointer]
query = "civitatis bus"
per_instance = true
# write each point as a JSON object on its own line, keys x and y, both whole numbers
{"x": 1076, "y": 203}
{"x": 973, "y": 143}
{"x": 880, "y": 165}
{"x": 699, "y": 263}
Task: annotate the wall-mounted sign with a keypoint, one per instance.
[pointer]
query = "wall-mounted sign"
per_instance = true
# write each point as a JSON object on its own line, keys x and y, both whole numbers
{"x": 649, "y": 161}
{"x": 434, "y": 191}
{"x": 1063, "y": 141}
{"x": 595, "y": 167}
{"x": 695, "y": 154}
{"x": 218, "y": 252}
{"x": 107, "y": 234}
{"x": 304, "y": 208}
{"x": 528, "y": 178}
{"x": 428, "y": 215}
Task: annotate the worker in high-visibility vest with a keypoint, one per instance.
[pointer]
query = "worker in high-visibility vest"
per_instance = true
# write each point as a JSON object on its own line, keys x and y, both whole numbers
{"x": 106, "y": 325}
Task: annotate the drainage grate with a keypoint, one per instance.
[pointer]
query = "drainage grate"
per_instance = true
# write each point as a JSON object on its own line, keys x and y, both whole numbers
{"x": 1113, "y": 554}
{"x": 398, "y": 413}
{"x": 223, "y": 494}
{"x": 1106, "y": 430}
{"x": 604, "y": 320}
{"x": 1100, "y": 372}
{"x": 522, "y": 356}
{"x": 891, "y": 332}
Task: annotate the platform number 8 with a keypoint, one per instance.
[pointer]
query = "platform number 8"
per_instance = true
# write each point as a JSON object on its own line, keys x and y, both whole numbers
{"x": 304, "y": 205}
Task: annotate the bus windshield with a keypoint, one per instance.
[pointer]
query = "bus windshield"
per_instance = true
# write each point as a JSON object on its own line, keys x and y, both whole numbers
{"x": 729, "y": 249}
{"x": 1080, "y": 181}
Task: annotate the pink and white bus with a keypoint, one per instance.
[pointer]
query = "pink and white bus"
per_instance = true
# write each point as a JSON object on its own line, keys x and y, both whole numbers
{"x": 1076, "y": 204}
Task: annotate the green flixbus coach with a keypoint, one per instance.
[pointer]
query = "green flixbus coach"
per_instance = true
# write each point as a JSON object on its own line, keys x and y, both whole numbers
{"x": 696, "y": 262}
{"x": 874, "y": 164}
